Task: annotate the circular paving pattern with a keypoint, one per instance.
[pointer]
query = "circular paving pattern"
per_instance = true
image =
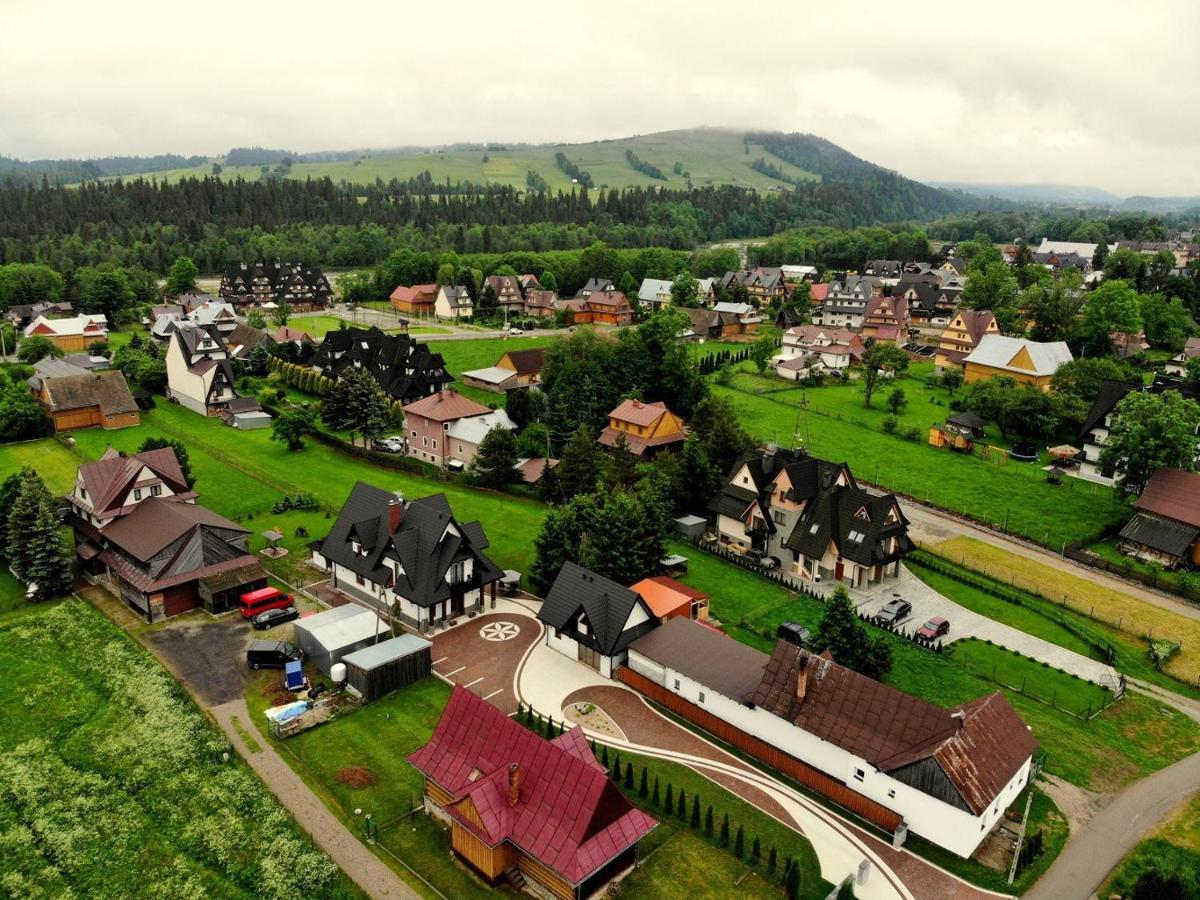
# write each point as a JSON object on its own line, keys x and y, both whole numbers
{"x": 499, "y": 631}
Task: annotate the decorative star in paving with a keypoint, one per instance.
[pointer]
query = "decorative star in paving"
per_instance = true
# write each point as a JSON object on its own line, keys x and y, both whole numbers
{"x": 499, "y": 631}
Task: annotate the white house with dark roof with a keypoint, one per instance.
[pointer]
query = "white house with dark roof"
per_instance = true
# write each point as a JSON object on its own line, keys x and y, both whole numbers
{"x": 453, "y": 301}
{"x": 410, "y": 559}
{"x": 593, "y": 619}
{"x": 199, "y": 370}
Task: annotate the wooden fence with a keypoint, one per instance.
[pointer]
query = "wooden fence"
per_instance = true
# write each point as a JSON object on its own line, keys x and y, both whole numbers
{"x": 811, "y": 778}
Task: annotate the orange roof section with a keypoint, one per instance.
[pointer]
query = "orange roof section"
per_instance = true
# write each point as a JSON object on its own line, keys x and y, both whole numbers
{"x": 665, "y": 595}
{"x": 445, "y": 406}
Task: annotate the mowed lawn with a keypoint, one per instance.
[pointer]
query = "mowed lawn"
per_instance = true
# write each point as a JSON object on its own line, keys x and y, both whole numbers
{"x": 995, "y": 494}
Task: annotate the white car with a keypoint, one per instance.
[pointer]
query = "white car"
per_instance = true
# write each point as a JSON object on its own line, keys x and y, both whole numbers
{"x": 393, "y": 444}
{"x": 515, "y": 332}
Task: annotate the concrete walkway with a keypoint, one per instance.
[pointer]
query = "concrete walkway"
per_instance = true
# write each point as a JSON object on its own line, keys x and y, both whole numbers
{"x": 1092, "y": 854}
{"x": 344, "y": 848}
{"x": 927, "y": 603}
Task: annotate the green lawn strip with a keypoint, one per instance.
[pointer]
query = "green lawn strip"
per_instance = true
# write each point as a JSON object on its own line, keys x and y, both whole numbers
{"x": 1107, "y": 550}
{"x": 53, "y": 461}
{"x": 118, "y": 781}
{"x": 770, "y": 831}
{"x": 1028, "y": 676}
{"x": 995, "y": 494}
{"x": 1042, "y": 618}
{"x": 684, "y": 867}
{"x": 1043, "y": 815}
{"x": 480, "y": 353}
{"x": 1108, "y": 751}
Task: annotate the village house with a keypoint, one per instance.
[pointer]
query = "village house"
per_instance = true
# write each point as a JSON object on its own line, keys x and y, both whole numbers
{"x": 428, "y": 420}
{"x": 1166, "y": 528}
{"x": 812, "y": 517}
{"x": 216, "y": 313}
{"x": 1178, "y": 363}
{"x": 595, "y": 286}
{"x": 464, "y": 436}
{"x": 886, "y": 319}
{"x": 507, "y": 289}
{"x": 199, "y": 370}
{"x": 930, "y": 305}
{"x": 763, "y": 285}
{"x": 1099, "y": 421}
{"x": 963, "y": 335}
{"x": 410, "y": 560}
{"x": 655, "y": 292}
{"x": 301, "y": 286}
{"x": 1023, "y": 360}
{"x": 515, "y": 369}
{"x": 802, "y": 340}
{"x": 76, "y": 333}
{"x": 947, "y": 775}
{"x": 541, "y": 814}
{"x": 593, "y": 619}
{"x": 737, "y": 318}
{"x": 21, "y": 314}
{"x": 243, "y": 340}
{"x": 609, "y": 308}
{"x": 417, "y": 300}
{"x": 404, "y": 368}
{"x": 646, "y": 429}
{"x": 845, "y": 303}
{"x": 453, "y": 301}
{"x": 137, "y": 526}
{"x": 76, "y": 398}
{"x": 887, "y": 269}
{"x": 286, "y": 334}
{"x": 539, "y": 302}
{"x": 833, "y": 358}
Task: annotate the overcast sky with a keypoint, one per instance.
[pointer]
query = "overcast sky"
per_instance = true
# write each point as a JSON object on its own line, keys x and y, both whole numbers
{"x": 1099, "y": 93}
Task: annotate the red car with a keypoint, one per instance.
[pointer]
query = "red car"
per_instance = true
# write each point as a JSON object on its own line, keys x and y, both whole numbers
{"x": 934, "y": 628}
{"x": 259, "y": 601}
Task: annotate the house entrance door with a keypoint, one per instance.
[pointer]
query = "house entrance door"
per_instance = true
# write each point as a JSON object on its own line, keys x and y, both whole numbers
{"x": 589, "y": 657}
{"x": 837, "y": 573}
{"x": 456, "y": 605}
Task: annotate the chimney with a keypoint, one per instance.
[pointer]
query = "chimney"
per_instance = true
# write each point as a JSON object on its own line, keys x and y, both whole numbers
{"x": 514, "y": 784}
{"x": 395, "y": 514}
{"x": 802, "y": 678}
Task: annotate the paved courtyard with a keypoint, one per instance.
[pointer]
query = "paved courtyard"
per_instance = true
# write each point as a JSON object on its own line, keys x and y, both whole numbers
{"x": 483, "y": 654}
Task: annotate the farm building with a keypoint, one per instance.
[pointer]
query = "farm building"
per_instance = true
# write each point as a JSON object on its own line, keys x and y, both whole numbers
{"x": 388, "y": 666}
{"x": 330, "y": 636}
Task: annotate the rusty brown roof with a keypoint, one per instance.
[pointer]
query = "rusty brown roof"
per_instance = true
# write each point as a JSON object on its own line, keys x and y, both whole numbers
{"x": 159, "y": 521}
{"x": 446, "y": 406}
{"x": 980, "y": 746}
{"x": 1173, "y": 494}
{"x": 638, "y": 413}
{"x": 106, "y": 389}
{"x": 709, "y": 657}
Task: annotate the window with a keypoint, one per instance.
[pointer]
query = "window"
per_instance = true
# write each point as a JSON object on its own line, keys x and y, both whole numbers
{"x": 745, "y": 480}
{"x": 702, "y": 696}
{"x": 435, "y": 443}
{"x": 156, "y": 490}
{"x": 859, "y": 775}
{"x": 137, "y": 493}
{"x": 414, "y": 434}
{"x": 856, "y": 536}
{"x": 676, "y": 684}
{"x": 892, "y": 794}
{"x": 424, "y": 442}
{"x": 778, "y": 516}
{"x": 813, "y": 528}
{"x": 358, "y": 579}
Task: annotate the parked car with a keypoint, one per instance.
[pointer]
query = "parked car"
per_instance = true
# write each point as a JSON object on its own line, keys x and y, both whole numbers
{"x": 393, "y": 444}
{"x": 896, "y": 611}
{"x": 272, "y": 654}
{"x": 934, "y": 628}
{"x": 755, "y": 555}
{"x": 273, "y": 617}
{"x": 515, "y": 331}
{"x": 255, "y": 602}
{"x": 793, "y": 633}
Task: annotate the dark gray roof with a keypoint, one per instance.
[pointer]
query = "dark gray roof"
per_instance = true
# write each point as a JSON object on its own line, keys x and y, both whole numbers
{"x": 422, "y": 543}
{"x": 1164, "y": 535}
{"x": 605, "y": 603}
{"x": 705, "y": 655}
{"x": 841, "y": 513}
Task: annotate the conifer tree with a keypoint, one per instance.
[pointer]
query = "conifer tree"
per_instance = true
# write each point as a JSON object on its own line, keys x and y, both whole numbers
{"x": 695, "y": 822}
{"x": 49, "y": 562}
{"x": 21, "y": 520}
{"x": 739, "y": 843}
{"x": 725, "y": 830}
{"x": 708, "y": 821}
{"x": 644, "y": 787}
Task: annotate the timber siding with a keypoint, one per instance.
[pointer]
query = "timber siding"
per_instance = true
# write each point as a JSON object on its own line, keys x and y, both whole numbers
{"x": 830, "y": 788}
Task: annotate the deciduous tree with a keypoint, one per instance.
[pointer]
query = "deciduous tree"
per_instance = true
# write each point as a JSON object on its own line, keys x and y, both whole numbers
{"x": 1151, "y": 432}
{"x": 182, "y": 277}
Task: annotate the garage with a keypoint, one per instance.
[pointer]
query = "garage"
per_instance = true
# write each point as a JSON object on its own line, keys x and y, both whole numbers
{"x": 387, "y": 666}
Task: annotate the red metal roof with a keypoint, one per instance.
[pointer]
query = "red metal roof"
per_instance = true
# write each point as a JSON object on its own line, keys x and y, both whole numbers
{"x": 1173, "y": 494}
{"x": 568, "y": 815}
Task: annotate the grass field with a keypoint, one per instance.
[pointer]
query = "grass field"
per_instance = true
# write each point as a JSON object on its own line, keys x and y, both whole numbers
{"x": 1129, "y": 740}
{"x": 1129, "y": 614}
{"x": 1172, "y": 849}
{"x": 111, "y": 781}
{"x": 1013, "y": 495}
{"x": 710, "y": 155}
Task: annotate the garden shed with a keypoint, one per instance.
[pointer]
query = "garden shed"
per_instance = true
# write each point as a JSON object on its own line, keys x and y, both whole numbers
{"x": 691, "y": 526}
{"x": 329, "y": 636}
{"x": 389, "y": 665}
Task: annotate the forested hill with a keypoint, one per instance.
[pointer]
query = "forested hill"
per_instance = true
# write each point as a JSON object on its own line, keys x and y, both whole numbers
{"x": 66, "y": 171}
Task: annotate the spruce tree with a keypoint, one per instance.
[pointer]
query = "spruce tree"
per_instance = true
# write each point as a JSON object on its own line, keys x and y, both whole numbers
{"x": 669, "y": 803}
{"x": 725, "y": 830}
{"x": 10, "y": 489}
{"x": 739, "y": 843}
{"x": 756, "y": 850}
{"x": 604, "y": 756}
{"x": 792, "y": 881}
{"x": 681, "y": 806}
{"x": 708, "y": 821}
{"x": 654, "y": 795}
{"x": 695, "y": 823}
{"x": 49, "y": 562}
{"x": 21, "y": 519}
{"x": 772, "y": 861}
{"x": 644, "y": 786}
{"x": 629, "y": 775}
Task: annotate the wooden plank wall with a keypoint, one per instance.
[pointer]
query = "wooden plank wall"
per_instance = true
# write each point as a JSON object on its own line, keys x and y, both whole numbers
{"x": 834, "y": 790}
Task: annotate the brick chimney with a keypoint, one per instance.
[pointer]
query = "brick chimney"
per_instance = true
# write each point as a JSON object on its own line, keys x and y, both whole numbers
{"x": 514, "y": 783}
{"x": 395, "y": 514}
{"x": 802, "y": 678}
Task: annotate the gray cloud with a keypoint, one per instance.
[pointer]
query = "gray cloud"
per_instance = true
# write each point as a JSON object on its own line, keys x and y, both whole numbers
{"x": 1084, "y": 93}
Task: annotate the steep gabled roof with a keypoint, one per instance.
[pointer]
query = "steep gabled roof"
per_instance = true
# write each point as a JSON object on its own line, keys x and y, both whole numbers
{"x": 1000, "y": 352}
{"x": 635, "y": 412}
{"x": 157, "y": 522}
{"x": 446, "y": 406}
{"x": 109, "y": 479}
{"x": 1172, "y": 494}
{"x": 106, "y": 389}
{"x": 526, "y": 362}
{"x": 568, "y": 815}
{"x": 427, "y": 541}
{"x": 605, "y": 603}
